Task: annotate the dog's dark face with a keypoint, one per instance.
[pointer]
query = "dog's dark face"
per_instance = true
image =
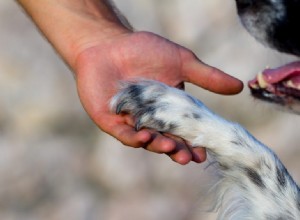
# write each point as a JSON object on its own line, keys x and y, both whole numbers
{"x": 275, "y": 23}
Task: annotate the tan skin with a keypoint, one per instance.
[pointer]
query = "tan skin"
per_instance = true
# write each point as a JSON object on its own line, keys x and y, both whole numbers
{"x": 105, "y": 52}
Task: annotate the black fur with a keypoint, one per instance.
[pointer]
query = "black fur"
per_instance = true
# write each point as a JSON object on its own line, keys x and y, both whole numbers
{"x": 282, "y": 31}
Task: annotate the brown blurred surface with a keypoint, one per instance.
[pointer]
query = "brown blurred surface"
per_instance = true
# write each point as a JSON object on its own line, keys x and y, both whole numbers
{"x": 55, "y": 164}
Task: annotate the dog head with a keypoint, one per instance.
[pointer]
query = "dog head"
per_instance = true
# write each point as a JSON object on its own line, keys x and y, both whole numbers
{"x": 275, "y": 24}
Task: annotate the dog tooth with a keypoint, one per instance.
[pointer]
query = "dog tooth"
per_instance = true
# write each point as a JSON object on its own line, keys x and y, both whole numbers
{"x": 261, "y": 81}
{"x": 291, "y": 84}
{"x": 254, "y": 86}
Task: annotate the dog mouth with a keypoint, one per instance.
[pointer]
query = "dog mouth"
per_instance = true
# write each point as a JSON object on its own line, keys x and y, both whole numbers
{"x": 279, "y": 85}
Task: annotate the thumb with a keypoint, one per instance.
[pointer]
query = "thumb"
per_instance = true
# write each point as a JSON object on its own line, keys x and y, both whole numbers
{"x": 211, "y": 78}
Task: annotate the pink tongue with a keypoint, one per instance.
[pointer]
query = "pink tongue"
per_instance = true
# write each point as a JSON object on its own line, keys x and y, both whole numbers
{"x": 291, "y": 71}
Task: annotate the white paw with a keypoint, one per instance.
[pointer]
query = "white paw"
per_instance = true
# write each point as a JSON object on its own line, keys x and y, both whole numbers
{"x": 165, "y": 109}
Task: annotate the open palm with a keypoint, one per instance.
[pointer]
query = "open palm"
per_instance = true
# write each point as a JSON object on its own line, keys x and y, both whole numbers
{"x": 101, "y": 66}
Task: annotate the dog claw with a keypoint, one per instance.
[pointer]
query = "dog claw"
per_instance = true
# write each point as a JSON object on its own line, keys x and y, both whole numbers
{"x": 120, "y": 107}
{"x": 138, "y": 125}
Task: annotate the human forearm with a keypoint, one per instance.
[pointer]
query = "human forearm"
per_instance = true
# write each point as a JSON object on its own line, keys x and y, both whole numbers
{"x": 74, "y": 25}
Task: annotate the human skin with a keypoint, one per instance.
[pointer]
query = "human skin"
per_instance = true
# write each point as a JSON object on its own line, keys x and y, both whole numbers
{"x": 102, "y": 51}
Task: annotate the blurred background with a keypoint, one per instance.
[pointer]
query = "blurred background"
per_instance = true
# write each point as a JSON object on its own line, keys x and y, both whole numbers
{"x": 55, "y": 164}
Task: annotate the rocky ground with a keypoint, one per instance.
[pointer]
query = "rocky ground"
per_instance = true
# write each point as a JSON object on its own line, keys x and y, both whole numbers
{"x": 56, "y": 165}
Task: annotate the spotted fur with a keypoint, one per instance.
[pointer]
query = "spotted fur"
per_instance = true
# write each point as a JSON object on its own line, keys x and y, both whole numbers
{"x": 253, "y": 183}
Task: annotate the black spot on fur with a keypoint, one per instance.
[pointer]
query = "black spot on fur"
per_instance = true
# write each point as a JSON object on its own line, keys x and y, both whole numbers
{"x": 160, "y": 125}
{"x": 240, "y": 141}
{"x": 172, "y": 127}
{"x": 281, "y": 176}
{"x": 150, "y": 111}
{"x": 236, "y": 142}
{"x": 192, "y": 116}
{"x": 196, "y": 116}
{"x": 264, "y": 163}
{"x": 139, "y": 114}
{"x": 135, "y": 90}
{"x": 224, "y": 167}
{"x": 255, "y": 177}
{"x": 150, "y": 102}
{"x": 186, "y": 115}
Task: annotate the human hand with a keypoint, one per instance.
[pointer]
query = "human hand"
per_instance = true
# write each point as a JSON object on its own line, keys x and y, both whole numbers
{"x": 98, "y": 45}
{"x": 100, "y": 67}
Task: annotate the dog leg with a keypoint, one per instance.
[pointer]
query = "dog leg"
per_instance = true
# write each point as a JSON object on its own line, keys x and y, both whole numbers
{"x": 262, "y": 187}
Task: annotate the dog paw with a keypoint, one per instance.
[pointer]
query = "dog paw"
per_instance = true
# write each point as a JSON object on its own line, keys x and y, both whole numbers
{"x": 165, "y": 109}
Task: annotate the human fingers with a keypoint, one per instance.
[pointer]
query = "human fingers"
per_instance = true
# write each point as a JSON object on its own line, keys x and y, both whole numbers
{"x": 152, "y": 141}
{"x": 121, "y": 128}
{"x": 159, "y": 143}
{"x": 199, "y": 154}
{"x": 210, "y": 78}
{"x": 184, "y": 152}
